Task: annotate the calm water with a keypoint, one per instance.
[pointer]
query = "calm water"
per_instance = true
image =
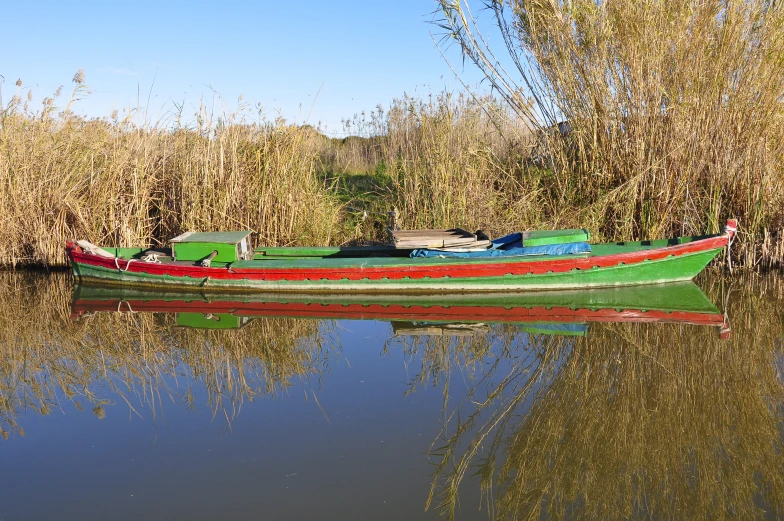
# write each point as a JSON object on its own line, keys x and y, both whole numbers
{"x": 571, "y": 412}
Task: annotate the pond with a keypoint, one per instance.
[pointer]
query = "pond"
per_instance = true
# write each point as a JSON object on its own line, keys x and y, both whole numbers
{"x": 656, "y": 402}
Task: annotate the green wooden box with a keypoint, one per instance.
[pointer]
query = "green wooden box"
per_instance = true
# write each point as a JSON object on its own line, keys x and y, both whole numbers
{"x": 547, "y": 237}
{"x": 196, "y": 246}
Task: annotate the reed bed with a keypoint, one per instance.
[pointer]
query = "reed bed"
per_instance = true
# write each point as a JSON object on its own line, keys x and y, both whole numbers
{"x": 460, "y": 160}
{"x": 653, "y": 118}
{"x": 637, "y": 140}
{"x": 443, "y": 160}
{"x": 118, "y": 181}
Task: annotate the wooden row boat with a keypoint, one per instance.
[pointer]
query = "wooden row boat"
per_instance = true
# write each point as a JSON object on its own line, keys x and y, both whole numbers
{"x": 225, "y": 262}
{"x": 552, "y": 312}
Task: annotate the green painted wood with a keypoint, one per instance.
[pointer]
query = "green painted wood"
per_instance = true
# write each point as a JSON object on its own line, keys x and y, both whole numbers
{"x": 197, "y": 246}
{"x": 547, "y": 329}
{"x": 196, "y": 251}
{"x": 124, "y": 253}
{"x": 676, "y": 268}
{"x": 326, "y": 251}
{"x": 676, "y": 296}
{"x": 304, "y": 251}
{"x": 601, "y": 249}
{"x": 547, "y": 237}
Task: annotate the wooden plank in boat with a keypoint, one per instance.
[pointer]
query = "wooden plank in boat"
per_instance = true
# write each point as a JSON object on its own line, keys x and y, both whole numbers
{"x": 452, "y": 238}
{"x": 454, "y": 232}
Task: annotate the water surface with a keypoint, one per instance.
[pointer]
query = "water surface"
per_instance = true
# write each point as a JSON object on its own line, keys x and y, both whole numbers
{"x": 126, "y": 414}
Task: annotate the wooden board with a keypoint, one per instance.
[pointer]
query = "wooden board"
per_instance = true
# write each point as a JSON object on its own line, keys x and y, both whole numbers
{"x": 447, "y": 329}
{"x": 440, "y": 239}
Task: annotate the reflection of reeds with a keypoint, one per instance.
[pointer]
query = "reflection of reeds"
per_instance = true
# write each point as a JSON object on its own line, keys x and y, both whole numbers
{"x": 44, "y": 355}
{"x": 504, "y": 368}
{"x": 643, "y": 420}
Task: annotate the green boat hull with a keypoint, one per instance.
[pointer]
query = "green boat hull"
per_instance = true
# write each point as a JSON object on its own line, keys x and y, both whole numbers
{"x": 669, "y": 269}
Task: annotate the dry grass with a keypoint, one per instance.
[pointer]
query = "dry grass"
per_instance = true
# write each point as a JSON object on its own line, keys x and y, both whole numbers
{"x": 449, "y": 156}
{"x": 116, "y": 182}
{"x": 444, "y": 160}
{"x": 670, "y": 134}
{"x": 675, "y": 111}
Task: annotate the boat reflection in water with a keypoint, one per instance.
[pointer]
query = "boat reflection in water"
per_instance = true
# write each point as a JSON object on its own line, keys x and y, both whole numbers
{"x": 551, "y": 312}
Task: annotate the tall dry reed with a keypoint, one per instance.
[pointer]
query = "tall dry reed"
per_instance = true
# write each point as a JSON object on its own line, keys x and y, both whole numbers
{"x": 444, "y": 160}
{"x": 672, "y": 110}
{"x": 115, "y": 182}
{"x": 450, "y": 159}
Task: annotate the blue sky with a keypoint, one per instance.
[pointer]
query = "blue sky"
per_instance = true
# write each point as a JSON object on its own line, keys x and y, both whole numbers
{"x": 277, "y": 53}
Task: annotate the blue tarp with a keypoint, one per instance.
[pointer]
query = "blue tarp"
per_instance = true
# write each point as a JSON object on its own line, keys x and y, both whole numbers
{"x": 510, "y": 245}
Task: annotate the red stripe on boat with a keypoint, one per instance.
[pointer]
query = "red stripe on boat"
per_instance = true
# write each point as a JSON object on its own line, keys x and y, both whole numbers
{"x": 455, "y": 270}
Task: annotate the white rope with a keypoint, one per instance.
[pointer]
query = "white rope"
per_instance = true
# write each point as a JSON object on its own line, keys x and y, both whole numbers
{"x": 152, "y": 257}
{"x": 127, "y": 265}
{"x": 730, "y": 230}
